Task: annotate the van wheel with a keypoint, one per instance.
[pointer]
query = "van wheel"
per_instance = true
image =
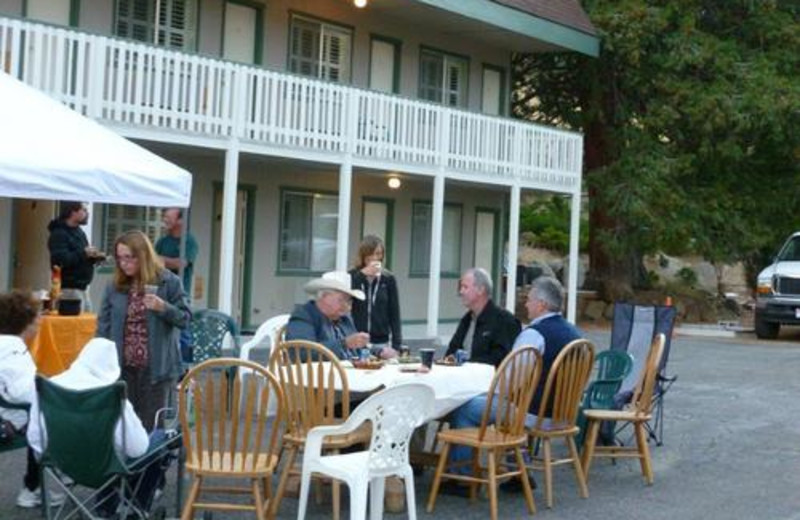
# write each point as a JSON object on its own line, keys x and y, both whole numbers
{"x": 766, "y": 329}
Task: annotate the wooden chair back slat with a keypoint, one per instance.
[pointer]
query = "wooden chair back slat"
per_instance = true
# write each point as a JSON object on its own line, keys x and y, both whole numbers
{"x": 511, "y": 392}
{"x": 566, "y": 382}
{"x": 217, "y": 441}
{"x": 308, "y": 373}
{"x": 642, "y": 399}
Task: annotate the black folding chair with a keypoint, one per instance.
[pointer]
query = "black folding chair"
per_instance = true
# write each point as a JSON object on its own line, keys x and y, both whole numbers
{"x": 634, "y": 329}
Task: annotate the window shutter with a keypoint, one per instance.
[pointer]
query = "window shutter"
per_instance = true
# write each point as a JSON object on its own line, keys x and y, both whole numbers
{"x": 305, "y": 48}
{"x": 456, "y": 82}
{"x": 431, "y": 77}
{"x": 336, "y": 55}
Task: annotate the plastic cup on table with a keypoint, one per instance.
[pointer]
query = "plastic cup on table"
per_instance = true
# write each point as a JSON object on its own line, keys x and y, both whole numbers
{"x": 427, "y": 356}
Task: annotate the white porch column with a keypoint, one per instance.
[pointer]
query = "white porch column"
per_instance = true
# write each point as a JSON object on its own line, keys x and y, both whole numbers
{"x": 437, "y": 210}
{"x": 343, "y": 229}
{"x": 513, "y": 248}
{"x": 574, "y": 252}
{"x": 227, "y": 241}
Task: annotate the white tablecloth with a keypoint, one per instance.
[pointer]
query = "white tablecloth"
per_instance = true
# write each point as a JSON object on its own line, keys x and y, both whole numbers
{"x": 452, "y": 386}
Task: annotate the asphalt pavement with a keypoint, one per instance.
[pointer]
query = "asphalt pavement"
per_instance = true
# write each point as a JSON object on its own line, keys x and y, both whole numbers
{"x": 731, "y": 448}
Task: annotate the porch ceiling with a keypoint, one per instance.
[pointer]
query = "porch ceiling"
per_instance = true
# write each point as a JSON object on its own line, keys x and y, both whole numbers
{"x": 498, "y": 25}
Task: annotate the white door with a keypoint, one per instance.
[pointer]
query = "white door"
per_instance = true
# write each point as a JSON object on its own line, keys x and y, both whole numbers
{"x": 492, "y": 91}
{"x": 51, "y": 11}
{"x": 377, "y": 218}
{"x": 382, "y": 66}
{"x": 484, "y": 240}
{"x": 31, "y": 269}
{"x": 240, "y": 32}
{"x": 239, "y": 253}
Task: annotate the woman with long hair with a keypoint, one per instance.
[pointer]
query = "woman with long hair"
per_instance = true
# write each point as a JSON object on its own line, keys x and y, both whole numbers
{"x": 144, "y": 309}
{"x": 379, "y": 313}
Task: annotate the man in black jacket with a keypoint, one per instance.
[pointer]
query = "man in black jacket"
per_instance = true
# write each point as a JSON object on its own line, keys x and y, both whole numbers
{"x": 486, "y": 332}
{"x": 69, "y": 247}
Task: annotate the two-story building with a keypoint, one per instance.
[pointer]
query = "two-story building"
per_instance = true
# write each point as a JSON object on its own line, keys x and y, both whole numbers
{"x": 307, "y": 124}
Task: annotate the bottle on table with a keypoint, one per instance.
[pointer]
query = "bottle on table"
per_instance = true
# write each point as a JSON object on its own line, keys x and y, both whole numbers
{"x": 55, "y": 288}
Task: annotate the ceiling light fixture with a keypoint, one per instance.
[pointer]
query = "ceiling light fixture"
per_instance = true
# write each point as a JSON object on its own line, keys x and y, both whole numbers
{"x": 394, "y": 182}
{"x": 360, "y": 3}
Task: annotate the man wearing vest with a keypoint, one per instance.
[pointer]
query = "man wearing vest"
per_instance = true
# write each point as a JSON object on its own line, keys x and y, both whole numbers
{"x": 548, "y": 332}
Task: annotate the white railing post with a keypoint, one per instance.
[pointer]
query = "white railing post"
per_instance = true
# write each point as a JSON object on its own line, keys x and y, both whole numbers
{"x": 437, "y": 219}
{"x": 574, "y": 253}
{"x": 346, "y": 181}
{"x": 96, "y": 74}
{"x": 513, "y": 247}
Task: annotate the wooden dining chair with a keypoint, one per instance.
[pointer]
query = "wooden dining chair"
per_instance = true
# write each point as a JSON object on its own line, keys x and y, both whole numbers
{"x": 222, "y": 444}
{"x": 502, "y": 430}
{"x": 558, "y": 413}
{"x": 637, "y": 413}
{"x": 316, "y": 393}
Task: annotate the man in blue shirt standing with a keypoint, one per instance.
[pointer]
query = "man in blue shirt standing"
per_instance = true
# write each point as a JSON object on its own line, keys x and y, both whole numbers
{"x": 169, "y": 247}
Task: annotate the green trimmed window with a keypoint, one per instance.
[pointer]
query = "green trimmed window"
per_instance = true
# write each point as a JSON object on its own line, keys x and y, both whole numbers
{"x": 421, "y": 222}
{"x": 443, "y": 78}
{"x": 308, "y": 232}
{"x": 120, "y": 218}
{"x": 320, "y": 50}
{"x": 177, "y": 22}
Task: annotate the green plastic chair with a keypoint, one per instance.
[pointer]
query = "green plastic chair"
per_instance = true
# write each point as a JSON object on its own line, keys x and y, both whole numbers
{"x": 209, "y": 328}
{"x": 19, "y": 441}
{"x": 611, "y": 369}
{"x": 80, "y": 445}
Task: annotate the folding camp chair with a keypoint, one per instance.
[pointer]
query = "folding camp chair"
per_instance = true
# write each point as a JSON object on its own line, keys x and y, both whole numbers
{"x": 19, "y": 440}
{"x": 634, "y": 329}
{"x": 79, "y": 444}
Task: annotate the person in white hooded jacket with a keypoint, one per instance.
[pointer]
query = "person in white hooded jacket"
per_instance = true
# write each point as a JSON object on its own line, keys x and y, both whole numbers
{"x": 19, "y": 322}
{"x": 97, "y": 365}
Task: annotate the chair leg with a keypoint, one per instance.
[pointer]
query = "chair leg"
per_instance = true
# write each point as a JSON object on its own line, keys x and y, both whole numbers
{"x": 576, "y": 463}
{"x": 188, "y": 509}
{"x": 276, "y": 501}
{"x": 588, "y": 447}
{"x": 644, "y": 452}
{"x": 474, "y": 487}
{"x": 547, "y": 459}
{"x": 526, "y": 485}
{"x": 492, "y": 462}
{"x": 411, "y": 499}
{"x": 376, "y": 494}
{"x": 437, "y": 477}
{"x": 358, "y": 500}
{"x": 258, "y": 499}
{"x": 305, "y": 484}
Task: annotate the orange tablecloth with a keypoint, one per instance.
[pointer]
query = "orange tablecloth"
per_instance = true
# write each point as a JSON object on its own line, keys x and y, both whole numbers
{"x": 60, "y": 340}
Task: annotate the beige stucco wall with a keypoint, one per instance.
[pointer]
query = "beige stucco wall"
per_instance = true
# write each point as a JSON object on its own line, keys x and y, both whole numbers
{"x": 274, "y": 294}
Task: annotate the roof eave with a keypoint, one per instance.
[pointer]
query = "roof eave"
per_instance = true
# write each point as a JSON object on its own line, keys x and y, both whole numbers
{"x": 528, "y": 25}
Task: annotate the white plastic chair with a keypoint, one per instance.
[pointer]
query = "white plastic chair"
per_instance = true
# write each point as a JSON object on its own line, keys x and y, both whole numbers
{"x": 394, "y": 414}
{"x": 268, "y": 329}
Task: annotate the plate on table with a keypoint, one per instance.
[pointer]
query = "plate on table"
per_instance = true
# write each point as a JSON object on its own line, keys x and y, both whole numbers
{"x": 410, "y": 367}
{"x": 446, "y": 362}
{"x": 367, "y": 364}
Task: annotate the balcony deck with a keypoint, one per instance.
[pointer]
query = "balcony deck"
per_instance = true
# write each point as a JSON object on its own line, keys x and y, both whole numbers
{"x": 170, "y": 96}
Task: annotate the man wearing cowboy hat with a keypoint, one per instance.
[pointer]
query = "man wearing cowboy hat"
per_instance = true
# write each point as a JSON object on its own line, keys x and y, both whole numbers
{"x": 326, "y": 319}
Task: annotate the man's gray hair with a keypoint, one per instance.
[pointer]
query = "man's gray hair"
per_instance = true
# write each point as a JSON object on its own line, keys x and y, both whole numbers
{"x": 482, "y": 278}
{"x": 550, "y": 291}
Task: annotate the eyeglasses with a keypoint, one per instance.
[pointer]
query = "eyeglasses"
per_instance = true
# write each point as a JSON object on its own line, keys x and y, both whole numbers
{"x": 126, "y": 259}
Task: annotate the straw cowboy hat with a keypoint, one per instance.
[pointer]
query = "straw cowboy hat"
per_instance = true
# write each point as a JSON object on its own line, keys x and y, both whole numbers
{"x": 334, "y": 281}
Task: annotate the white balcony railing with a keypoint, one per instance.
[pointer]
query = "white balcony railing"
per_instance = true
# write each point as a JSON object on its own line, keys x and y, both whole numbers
{"x": 130, "y": 83}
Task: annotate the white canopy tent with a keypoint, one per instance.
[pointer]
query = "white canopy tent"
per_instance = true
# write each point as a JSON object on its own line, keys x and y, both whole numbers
{"x": 48, "y": 151}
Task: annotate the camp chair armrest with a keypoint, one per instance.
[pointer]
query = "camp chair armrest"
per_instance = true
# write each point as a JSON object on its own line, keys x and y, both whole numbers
{"x": 666, "y": 379}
